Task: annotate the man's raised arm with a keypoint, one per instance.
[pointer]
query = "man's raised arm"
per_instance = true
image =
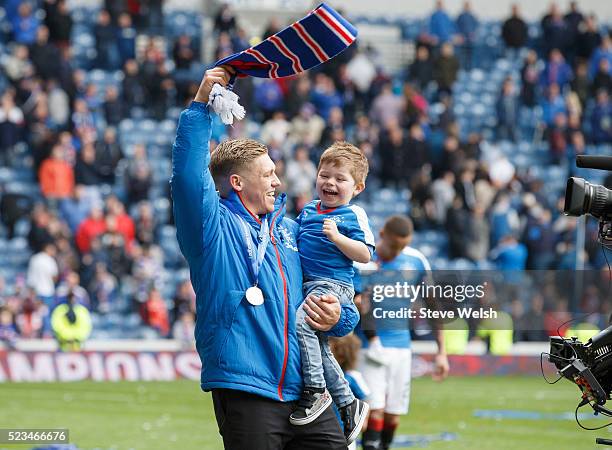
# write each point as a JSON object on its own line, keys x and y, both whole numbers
{"x": 196, "y": 204}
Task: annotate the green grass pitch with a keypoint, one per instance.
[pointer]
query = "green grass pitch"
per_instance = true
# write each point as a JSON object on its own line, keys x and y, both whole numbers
{"x": 167, "y": 415}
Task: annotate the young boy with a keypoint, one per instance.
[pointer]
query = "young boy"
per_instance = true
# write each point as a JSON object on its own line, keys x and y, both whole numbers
{"x": 333, "y": 234}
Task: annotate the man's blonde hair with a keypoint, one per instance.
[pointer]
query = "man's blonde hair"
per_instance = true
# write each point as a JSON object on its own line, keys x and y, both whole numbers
{"x": 233, "y": 156}
{"x": 342, "y": 153}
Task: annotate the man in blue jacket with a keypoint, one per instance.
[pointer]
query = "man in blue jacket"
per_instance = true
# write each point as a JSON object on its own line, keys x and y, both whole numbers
{"x": 245, "y": 270}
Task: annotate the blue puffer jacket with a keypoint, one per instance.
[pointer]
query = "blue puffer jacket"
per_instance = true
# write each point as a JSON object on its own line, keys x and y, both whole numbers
{"x": 243, "y": 347}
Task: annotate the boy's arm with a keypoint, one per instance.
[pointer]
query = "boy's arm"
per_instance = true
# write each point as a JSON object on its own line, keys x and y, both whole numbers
{"x": 196, "y": 203}
{"x": 351, "y": 248}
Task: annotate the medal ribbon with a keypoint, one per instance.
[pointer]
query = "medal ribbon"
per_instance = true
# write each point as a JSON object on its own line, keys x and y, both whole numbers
{"x": 255, "y": 256}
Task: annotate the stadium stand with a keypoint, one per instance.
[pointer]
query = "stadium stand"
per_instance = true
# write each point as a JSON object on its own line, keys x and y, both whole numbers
{"x": 470, "y": 135}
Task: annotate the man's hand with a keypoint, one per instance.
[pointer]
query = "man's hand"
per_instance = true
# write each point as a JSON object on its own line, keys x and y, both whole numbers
{"x": 441, "y": 367}
{"x": 323, "y": 312}
{"x": 219, "y": 75}
{"x": 330, "y": 229}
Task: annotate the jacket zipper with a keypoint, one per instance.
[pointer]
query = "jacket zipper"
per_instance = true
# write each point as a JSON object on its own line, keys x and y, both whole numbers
{"x": 286, "y": 298}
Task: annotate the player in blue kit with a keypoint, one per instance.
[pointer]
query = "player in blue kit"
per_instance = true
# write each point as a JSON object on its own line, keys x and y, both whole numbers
{"x": 333, "y": 234}
{"x": 386, "y": 357}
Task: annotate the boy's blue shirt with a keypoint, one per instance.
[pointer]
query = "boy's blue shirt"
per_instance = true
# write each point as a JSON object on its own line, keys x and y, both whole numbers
{"x": 320, "y": 257}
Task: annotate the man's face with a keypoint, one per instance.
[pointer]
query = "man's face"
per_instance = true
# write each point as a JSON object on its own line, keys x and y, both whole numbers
{"x": 392, "y": 244}
{"x": 258, "y": 184}
{"x": 335, "y": 185}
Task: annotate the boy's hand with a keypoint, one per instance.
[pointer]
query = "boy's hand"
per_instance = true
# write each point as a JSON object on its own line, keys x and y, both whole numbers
{"x": 330, "y": 229}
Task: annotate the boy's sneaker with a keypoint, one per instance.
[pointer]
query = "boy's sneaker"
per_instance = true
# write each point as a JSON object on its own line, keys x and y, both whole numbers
{"x": 353, "y": 416}
{"x": 312, "y": 404}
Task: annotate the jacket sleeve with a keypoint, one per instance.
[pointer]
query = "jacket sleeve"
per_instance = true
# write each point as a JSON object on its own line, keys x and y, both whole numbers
{"x": 349, "y": 317}
{"x": 196, "y": 203}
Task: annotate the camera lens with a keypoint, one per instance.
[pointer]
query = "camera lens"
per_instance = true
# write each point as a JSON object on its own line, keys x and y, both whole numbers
{"x": 582, "y": 197}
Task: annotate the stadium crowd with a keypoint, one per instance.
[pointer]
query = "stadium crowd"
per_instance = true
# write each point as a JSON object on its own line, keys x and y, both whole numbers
{"x": 93, "y": 227}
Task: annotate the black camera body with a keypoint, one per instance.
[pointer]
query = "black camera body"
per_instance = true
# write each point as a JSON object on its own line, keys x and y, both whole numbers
{"x": 588, "y": 365}
{"x": 582, "y": 197}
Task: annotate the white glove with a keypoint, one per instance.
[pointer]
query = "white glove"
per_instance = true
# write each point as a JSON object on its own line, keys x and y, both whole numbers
{"x": 225, "y": 103}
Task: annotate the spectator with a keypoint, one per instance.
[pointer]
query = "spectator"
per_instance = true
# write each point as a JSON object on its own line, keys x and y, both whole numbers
{"x": 509, "y": 254}
{"x": 138, "y": 176}
{"x": 307, "y": 126}
{"x": 155, "y": 314}
{"x": 45, "y": 56}
{"x": 275, "y": 129}
{"x": 71, "y": 285}
{"x": 514, "y": 31}
{"x": 8, "y": 331}
{"x": 601, "y": 125}
{"x": 387, "y": 107}
{"x": 114, "y": 108}
{"x": 588, "y": 39}
{"x": 74, "y": 210}
{"x": 467, "y": 26}
{"x": 557, "y": 138}
{"x": 441, "y": 27}
{"x": 507, "y": 112}
{"x": 445, "y": 69}
{"x": 25, "y": 24}
{"x": 145, "y": 225}
{"x": 273, "y": 27}
{"x": 103, "y": 288}
{"x": 43, "y": 273}
{"x": 11, "y": 126}
{"x": 556, "y": 70}
{"x": 17, "y": 65}
{"x": 420, "y": 71}
{"x": 443, "y": 193}
{"x": 477, "y": 237}
{"x": 554, "y": 30}
{"x": 581, "y": 84}
{"x": 324, "y": 95}
{"x": 334, "y": 128}
{"x": 225, "y": 21}
{"x": 299, "y": 94}
{"x": 126, "y": 39}
{"x": 85, "y": 170}
{"x": 602, "y": 81}
{"x": 504, "y": 219}
{"x": 59, "y": 104}
{"x": 108, "y": 154}
{"x": 392, "y": 150}
{"x": 106, "y": 42}
{"x": 530, "y": 73}
{"x": 302, "y": 173}
{"x": 93, "y": 226}
{"x": 183, "y": 330}
{"x": 59, "y": 21}
{"x": 132, "y": 86}
{"x": 14, "y": 206}
{"x": 123, "y": 222}
{"x": 573, "y": 19}
{"x": 183, "y": 301}
{"x": 604, "y": 51}
{"x": 552, "y": 105}
{"x": 71, "y": 324}
{"x": 540, "y": 239}
{"x": 31, "y": 319}
{"x": 455, "y": 226}
{"x": 183, "y": 52}
{"x": 83, "y": 121}
{"x": 56, "y": 176}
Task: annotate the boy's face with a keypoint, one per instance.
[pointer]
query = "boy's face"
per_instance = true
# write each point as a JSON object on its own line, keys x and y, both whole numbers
{"x": 336, "y": 186}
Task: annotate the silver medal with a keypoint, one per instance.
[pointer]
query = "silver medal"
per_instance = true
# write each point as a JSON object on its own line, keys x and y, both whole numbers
{"x": 254, "y": 296}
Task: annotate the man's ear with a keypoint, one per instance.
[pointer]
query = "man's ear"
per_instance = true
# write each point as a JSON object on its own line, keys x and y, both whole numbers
{"x": 236, "y": 182}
